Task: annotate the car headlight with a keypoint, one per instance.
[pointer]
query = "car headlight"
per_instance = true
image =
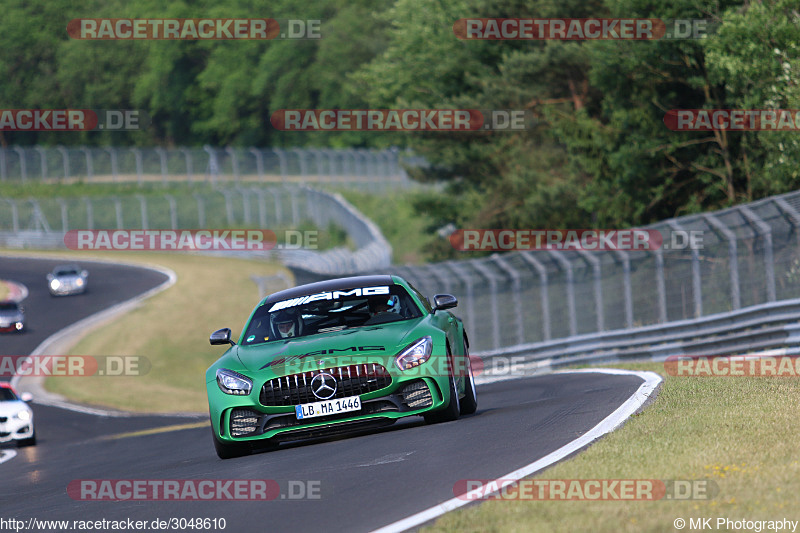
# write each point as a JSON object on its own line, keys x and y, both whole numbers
{"x": 231, "y": 382}
{"x": 416, "y": 354}
{"x": 79, "y": 282}
{"x": 55, "y": 284}
{"x": 23, "y": 415}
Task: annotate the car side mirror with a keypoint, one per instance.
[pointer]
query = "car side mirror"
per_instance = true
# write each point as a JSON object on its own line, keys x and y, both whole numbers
{"x": 444, "y": 301}
{"x": 26, "y": 397}
{"x": 221, "y": 336}
{"x": 50, "y": 277}
{"x": 84, "y": 273}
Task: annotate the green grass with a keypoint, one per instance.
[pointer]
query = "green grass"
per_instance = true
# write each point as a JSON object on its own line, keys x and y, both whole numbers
{"x": 170, "y": 329}
{"x": 392, "y": 212}
{"x": 738, "y": 432}
{"x": 3, "y": 290}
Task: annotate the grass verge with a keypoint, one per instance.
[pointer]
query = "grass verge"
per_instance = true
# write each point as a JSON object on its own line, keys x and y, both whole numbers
{"x": 3, "y": 290}
{"x": 170, "y": 329}
{"x": 393, "y": 213}
{"x": 738, "y": 432}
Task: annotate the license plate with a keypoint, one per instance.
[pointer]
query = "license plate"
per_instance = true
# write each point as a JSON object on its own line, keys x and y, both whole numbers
{"x": 328, "y": 407}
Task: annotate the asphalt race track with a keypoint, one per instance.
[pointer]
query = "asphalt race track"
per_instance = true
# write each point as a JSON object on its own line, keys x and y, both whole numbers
{"x": 360, "y": 482}
{"x": 45, "y": 314}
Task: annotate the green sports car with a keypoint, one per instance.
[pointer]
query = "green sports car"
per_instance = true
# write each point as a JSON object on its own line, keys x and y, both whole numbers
{"x": 337, "y": 356}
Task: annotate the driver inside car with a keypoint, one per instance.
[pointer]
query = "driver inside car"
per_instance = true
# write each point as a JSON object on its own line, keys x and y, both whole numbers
{"x": 286, "y": 325}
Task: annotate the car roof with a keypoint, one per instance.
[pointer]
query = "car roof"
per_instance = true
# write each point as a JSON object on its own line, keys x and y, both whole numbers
{"x": 71, "y": 266}
{"x": 337, "y": 284}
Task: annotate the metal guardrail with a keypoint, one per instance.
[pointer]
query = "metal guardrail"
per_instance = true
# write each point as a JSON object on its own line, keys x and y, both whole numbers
{"x": 750, "y": 256}
{"x": 43, "y": 223}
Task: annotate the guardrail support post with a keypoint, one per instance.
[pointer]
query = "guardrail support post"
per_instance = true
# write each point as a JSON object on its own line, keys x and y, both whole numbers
{"x": 162, "y": 157}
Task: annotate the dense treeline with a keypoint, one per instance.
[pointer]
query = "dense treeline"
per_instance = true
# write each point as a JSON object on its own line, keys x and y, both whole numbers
{"x": 599, "y": 156}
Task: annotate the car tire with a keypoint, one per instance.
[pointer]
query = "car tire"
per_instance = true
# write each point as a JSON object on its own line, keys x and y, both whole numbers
{"x": 453, "y": 409}
{"x": 226, "y": 450}
{"x": 470, "y": 402}
{"x": 30, "y": 441}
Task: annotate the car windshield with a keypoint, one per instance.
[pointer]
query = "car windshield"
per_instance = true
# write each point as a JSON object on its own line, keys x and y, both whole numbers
{"x": 7, "y": 395}
{"x": 9, "y": 306}
{"x": 66, "y": 272}
{"x": 330, "y": 311}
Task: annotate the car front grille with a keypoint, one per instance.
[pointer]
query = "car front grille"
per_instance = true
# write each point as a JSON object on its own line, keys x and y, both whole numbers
{"x": 351, "y": 380}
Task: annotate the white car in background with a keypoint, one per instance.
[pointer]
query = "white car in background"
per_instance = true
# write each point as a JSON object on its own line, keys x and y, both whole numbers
{"x": 67, "y": 279}
{"x": 16, "y": 417}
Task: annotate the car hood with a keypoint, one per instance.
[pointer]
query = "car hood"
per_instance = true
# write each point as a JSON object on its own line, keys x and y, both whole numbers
{"x": 11, "y": 315}
{"x": 12, "y": 407}
{"x": 334, "y": 348}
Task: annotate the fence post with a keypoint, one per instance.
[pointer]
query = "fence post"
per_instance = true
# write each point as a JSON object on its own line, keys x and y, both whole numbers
{"x": 137, "y": 154}
{"x": 114, "y": 166}
{"x": 162, "y": 157}
{"x": 529, "y": 258}
{"x": 769, "y": 263}
{"x": 189, "y": 170}
{"x": 661, "y": 286}
{"x": 42, "y": 160}
{"x": 89, "y": 163}
{"x": 598, "y": 288}
{"x": 143, "y": 211}
{"x": 733, "y": 257}
{"x": 697, "y": 281}
{"x": 458, "y": 270}
{"x": 173, "y": 211}
{"x": 201, "y": 210}
{"x": 212, "y": 169}
{"x": 64, "y": 215}
{"x": 118, "y": 210}
{"x": 89, "y": 213}
{"x": 484, "y": 271}
{"x": 3, "y": 165}
{"x": 516, "y": 294}
{"x": 234, "y": 163}
{"x": 573, "y": 317}
{"x": 627, "y": 288}
{"x": 22, "y": 167}
{"x": 64, "y": 160}
{"x": 259, "y": 163}
{"x": 284, "y": 164}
